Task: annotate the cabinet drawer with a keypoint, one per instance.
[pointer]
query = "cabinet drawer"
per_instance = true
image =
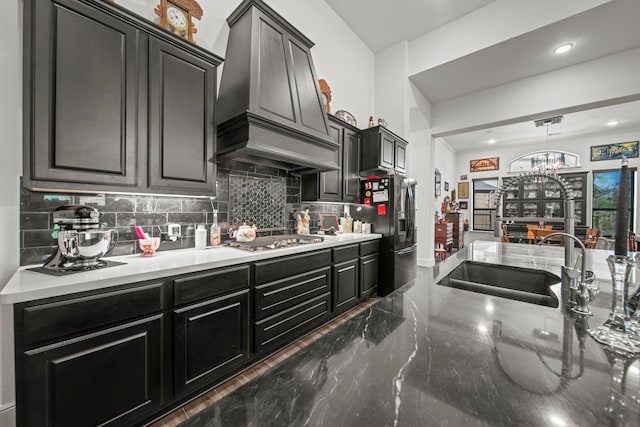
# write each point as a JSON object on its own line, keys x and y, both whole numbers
{"x": 65, "y": 318}
{"x": 269, "y": 271}
{"x": 290, "y": 324}
{"x": 345, "y": 253}
{"x": 210, "y": 284}
{"x": 274, "y": 297}
{"x": 369, "y": 248}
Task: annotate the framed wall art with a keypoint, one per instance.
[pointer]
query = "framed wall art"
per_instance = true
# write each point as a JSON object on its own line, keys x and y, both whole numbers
{"x": 614, "y": 151}
{"x": 446, "y": 186}
{"x": 488, "y": 164}
{"x": 464, "y": 205}
{"x": 438, "y": 181}
{"x": 463, "y": 190}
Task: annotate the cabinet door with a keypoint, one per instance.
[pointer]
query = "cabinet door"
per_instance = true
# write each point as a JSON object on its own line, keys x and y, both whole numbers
{"x": 81, "y": 97}
{"x": 182, "y": 91}
{"x": 401, "y": 157}
{"x": 351, "y": 166}
{"x": 345, "y": 285}
{"x": 331, "y": 181}
{"x": 368, "y": 275}
{"x": 211, "y": 340}
{"x": 387, "y": 151}
{"x": 110, "y": 377}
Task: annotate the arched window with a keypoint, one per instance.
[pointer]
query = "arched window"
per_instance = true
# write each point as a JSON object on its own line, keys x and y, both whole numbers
{"x": 545, "y": 160}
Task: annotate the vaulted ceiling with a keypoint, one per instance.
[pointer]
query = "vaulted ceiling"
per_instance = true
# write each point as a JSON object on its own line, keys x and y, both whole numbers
{"x": 598, "y": 28}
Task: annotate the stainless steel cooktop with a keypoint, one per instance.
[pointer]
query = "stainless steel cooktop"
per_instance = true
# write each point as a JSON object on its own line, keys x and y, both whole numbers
{"x": 276, "y": 242}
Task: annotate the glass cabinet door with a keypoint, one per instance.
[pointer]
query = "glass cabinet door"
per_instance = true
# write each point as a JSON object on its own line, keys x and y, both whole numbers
{"x": 553, "y": 209}
{"x": 512, "y": 209}
{"x": 552, "y": 190}
{"x": 530, "y": 190}
{"x": 530, "y": 209}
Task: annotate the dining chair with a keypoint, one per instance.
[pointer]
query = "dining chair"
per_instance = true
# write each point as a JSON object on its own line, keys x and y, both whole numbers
{"x": 553, "y": 241}
{"x": 632, "y": 244}
{"x": 591, "y": 238}
{"x": 505, "y": 234}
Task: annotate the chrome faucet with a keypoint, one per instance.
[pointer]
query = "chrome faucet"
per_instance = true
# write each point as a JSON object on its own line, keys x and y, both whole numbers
{"x": 575, "y": 293}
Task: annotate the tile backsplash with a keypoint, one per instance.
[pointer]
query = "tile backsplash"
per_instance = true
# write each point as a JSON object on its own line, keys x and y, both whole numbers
{"x": 123, "y": 211}
{"x": 245, "y": 192}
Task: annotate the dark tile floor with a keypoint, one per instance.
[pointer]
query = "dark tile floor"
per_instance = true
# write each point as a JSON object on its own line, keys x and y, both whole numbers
{"x": 205, "y": 410}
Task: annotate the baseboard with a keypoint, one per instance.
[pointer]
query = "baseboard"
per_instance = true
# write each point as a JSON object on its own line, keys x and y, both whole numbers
{"x": 8, "y": 416}
{"x": 426, "y": 262}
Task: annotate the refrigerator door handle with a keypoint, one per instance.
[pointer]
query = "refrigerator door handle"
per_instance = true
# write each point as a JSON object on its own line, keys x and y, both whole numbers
{"x": 406, "y": 251}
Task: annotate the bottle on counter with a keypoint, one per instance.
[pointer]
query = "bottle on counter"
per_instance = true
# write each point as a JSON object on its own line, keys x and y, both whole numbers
{"x": 357, "y": 226}
{"x": 348, "y": 226}
{"x": 214, "y": 233}
{"x": 201, "y": 237}
{"x": 371, "y": 123}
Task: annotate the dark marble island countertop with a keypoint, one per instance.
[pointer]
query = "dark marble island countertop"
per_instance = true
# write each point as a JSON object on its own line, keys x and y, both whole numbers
{"x": 429, "y": 355}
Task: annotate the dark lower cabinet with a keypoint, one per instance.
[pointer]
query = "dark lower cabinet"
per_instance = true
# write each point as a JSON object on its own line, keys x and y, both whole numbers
{"x": 292, "y": 297}
{"x": 121, "y": 356}
{"x": 211, "y": 340}
{"x": 110, "y": 377}
{"x": 345, "y": 278}
{"x": 345, "y": 288}
{"x": 369, "y": 265}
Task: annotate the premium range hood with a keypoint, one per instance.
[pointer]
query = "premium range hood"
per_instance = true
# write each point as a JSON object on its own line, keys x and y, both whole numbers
{"x": 269, "y": 110}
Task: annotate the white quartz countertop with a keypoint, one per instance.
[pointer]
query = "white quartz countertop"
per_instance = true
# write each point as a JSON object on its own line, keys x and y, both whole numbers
{"x": 27, "y": 285}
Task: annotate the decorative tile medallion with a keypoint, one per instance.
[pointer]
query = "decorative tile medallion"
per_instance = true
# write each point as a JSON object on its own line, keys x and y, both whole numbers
{"x": 258, "y": 201}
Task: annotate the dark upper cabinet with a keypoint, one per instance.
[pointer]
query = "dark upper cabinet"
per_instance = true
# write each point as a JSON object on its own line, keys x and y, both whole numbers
{"x": 181, "y": 119}
{"x": 81, "y": 78}
{"x": 382, "y": 151}
{"x": 112, "y": 103}
{"x": 342, "y": 185}
{"x": 351, "y": 165}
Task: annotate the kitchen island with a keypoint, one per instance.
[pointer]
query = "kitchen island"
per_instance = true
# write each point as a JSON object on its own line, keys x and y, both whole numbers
{"x": 430, "y": 355}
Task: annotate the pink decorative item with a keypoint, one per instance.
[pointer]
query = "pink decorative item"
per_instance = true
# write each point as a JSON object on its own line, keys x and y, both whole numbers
{"x": 149, "y": 246}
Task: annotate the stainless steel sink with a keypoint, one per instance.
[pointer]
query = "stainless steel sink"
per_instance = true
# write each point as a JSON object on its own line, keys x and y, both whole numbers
{"x": 519, "y": 283}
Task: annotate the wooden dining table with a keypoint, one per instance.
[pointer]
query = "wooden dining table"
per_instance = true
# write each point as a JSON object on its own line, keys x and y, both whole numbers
{"x": 533, "y": 235}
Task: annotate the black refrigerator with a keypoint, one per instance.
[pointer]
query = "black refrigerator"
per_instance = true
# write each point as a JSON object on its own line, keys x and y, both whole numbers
{"x": 394, "y": 198}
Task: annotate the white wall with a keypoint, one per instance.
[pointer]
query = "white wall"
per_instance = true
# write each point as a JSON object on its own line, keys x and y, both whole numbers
{"x": 341, "y": 58}
{"x": 10, "y": 170}
{"x": 578, "y": 145}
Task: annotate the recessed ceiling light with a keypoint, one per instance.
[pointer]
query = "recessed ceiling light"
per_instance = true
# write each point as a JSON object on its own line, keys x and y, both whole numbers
{"x": 491, "y": 141}
{"x": 612, "y": 123}
{"x": 564, "y": 48}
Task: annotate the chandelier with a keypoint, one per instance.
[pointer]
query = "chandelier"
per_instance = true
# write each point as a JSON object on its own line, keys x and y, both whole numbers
{"x": 549, "y": 161}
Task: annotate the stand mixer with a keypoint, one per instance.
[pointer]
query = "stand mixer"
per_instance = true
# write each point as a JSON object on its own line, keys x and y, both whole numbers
{"x": 81, "y": 241}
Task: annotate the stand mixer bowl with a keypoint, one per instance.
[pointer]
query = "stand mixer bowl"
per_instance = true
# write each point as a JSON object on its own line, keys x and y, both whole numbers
{"x": 85, "y": 244}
